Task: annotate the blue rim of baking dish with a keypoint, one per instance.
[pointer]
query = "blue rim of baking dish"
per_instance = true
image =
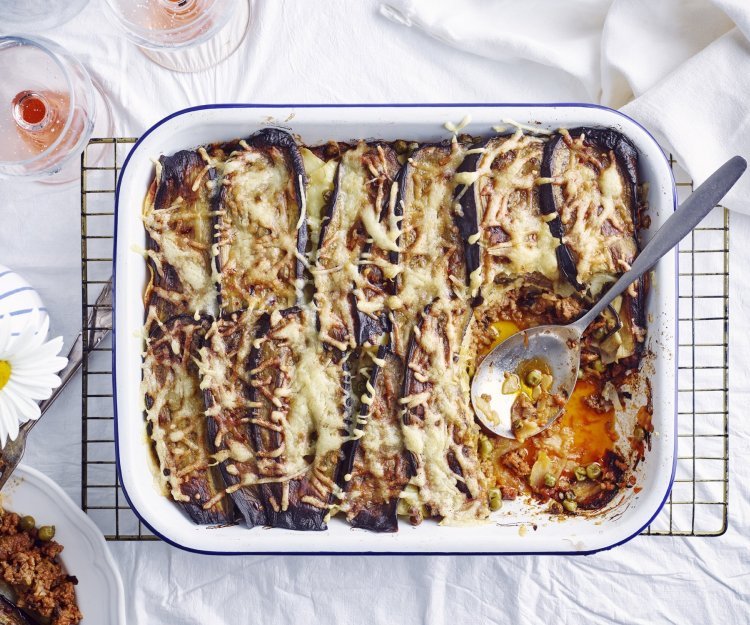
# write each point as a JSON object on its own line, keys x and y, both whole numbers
{"x": 381, "y": 553}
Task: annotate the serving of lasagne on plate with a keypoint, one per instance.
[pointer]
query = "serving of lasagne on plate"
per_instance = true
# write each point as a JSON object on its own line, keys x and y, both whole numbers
{"x": 314, "y": 315}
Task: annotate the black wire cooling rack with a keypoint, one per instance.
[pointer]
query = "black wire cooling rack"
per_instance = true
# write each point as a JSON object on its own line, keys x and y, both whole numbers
{"x": 698, "y": 503}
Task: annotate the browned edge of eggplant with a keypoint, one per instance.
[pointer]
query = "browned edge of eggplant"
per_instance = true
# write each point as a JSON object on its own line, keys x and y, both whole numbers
{"x": 412, "y": 385}
{"x": 380, "y": 517}
{"x": 11, "y": 614}
{"x": 299, "y": 515}
{"x": 626, "y": 155}
{"x": 281, "y": 139}
{"x": 198, "y": 489}
{"x": 247, "y": 499}
{"x": 173, "y": 184}
{"x": 468, "y": 221}
{"x": 349, "y": 448}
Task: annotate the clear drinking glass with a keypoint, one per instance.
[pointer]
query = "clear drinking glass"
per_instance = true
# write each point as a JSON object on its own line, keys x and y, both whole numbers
{"x": 27, "y": 16}
{"x": 183, "y": 35}
{"x": 47, "y": 108}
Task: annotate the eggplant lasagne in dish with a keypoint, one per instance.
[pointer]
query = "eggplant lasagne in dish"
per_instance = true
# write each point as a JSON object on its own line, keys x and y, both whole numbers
{"x": 315, "y": 314}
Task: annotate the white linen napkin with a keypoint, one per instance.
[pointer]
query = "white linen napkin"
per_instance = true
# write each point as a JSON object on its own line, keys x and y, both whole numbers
{"x": 679, "y": 67}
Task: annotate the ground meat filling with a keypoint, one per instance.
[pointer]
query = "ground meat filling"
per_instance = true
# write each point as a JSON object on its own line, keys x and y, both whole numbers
{"x": 31, "y": 568}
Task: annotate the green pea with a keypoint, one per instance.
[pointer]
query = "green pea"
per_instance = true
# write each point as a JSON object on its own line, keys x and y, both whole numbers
{"x": 550, "y": 480}
{"x": 580, "y": 473}
{"x": 570, "y": 495}
{"x": 26, "y": 523}
{"x": 594, "y": 470}
{"x": 46, "y": 533}
{"x": 534, "y": 377}
{"x": 496, "y": 499}
{"x": 570, "y": 506}
{"x": 599, "y": 366}
{"x": 485, "y": 448}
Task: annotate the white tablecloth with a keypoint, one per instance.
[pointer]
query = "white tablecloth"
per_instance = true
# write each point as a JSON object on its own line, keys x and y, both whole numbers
{"x": 328, "y": 51}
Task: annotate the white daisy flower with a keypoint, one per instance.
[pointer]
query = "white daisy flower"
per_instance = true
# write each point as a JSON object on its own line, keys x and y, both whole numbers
{"x": 28, "y": 367}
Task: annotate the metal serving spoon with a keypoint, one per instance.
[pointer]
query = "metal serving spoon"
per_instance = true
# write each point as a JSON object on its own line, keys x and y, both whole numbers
{"x": 560, "y": 346}
{"x": 99, "y": 324}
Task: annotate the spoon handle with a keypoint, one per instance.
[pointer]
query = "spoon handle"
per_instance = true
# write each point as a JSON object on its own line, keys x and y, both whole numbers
{"x": 677, "y": 227}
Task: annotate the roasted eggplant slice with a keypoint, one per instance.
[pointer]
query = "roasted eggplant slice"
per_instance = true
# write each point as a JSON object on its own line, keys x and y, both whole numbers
{"x": 301, "y": 407}
{"x": 439, "y": 428}
{"x": 431, "y": 257}
{"x": 176, "y": 422}
{"x": 260, "y": 224}
{"x": 177, "y": 218}
{"x": 376, "y": 469}
{"x": 501, "y": 222}
{"x": 591, "y": 188}
{"x": 589, "y": 184}
{"x": 10, "y": 614}
{"x": 351, "y": 298}
{"x": 225, "y": 378}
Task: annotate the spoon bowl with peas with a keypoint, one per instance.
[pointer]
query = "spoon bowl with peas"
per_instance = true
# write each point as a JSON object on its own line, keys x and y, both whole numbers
{"x": 541, "y": 364}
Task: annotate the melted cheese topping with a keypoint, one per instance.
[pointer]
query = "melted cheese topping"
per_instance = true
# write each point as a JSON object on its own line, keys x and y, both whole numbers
{"x": 364, "y": 185}
{"x": 176, "y": 413}
{"x": 596, "y": 211}
{"x": 446, "y": 427}
{"x": 225, "y": 377}
{"x": 379, "y": 470}
{"x": 320, "y": 184}
{"x": 183, "y": 236}
{"x": 304, "y": 414}
{"x": 431, "y": 256}
{"x": 513, "y": 234}
{"x": 257, "y": 231}
{"x": 309, "y": 404}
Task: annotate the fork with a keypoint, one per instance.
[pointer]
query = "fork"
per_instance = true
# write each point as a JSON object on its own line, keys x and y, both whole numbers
{"x": 99, "y": 326}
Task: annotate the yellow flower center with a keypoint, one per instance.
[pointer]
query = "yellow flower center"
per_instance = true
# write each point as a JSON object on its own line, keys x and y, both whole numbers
{"x": 4, "y": 373}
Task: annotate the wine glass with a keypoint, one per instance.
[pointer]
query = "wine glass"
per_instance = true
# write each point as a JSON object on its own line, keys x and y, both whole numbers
{"x": 182, "y": 35}
{"x": 47, "y": 109}
{"x": 28, "y": 16}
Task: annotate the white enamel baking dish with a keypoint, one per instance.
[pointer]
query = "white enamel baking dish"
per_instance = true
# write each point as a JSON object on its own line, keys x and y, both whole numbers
{"x": 518, "y": 527}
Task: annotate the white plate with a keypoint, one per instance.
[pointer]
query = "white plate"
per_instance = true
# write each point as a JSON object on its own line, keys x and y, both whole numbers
{"x": 99, "y": 591}
{"x": 316, "y": 124}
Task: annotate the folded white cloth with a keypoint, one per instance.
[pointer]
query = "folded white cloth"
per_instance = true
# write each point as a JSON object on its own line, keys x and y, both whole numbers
{"x": 680, "y": 67}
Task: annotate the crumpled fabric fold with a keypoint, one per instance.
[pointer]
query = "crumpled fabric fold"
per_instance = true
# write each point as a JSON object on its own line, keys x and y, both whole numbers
{"x": 679, "y": 67}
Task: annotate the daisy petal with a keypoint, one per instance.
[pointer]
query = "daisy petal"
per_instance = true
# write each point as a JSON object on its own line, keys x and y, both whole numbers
{"x": 25, "y": 407}
{"x": 13, "y": 429}
{"x": 32, "y": 391}
{"x": 34, "y": 364}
